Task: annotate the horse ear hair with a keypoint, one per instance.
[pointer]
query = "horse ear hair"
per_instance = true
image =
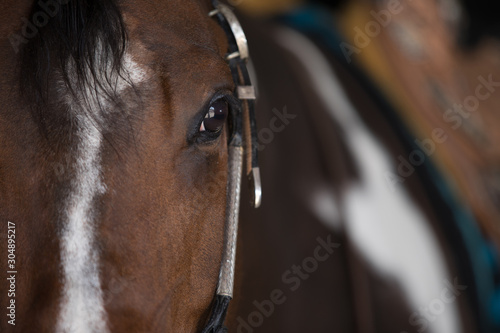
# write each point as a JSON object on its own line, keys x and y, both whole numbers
{"x": 219, "y": 310}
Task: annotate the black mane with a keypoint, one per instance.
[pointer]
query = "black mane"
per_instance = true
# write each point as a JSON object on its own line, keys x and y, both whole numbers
{"x": 66, "y": 47}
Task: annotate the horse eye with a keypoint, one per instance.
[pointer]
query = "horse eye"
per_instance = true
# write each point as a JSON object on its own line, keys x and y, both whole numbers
{"x": 215, "y": 117}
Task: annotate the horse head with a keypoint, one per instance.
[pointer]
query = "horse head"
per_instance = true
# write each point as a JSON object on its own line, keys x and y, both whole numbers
{"x": 114, "y": 161}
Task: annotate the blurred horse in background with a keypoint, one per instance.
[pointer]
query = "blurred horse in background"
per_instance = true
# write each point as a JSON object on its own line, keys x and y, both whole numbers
{"x": 378, "y": 126}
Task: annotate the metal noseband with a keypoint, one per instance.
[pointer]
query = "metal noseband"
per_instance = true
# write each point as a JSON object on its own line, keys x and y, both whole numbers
{"x": 243, "y": 139}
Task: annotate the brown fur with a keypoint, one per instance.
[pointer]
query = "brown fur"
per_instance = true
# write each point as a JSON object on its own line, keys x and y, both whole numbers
{"x": 160, "y": 222}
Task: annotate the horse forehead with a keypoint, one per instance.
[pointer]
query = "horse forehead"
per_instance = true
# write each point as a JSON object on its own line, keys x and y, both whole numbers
{"x": 174, "y": 26}
{"x": 179, "y": 43}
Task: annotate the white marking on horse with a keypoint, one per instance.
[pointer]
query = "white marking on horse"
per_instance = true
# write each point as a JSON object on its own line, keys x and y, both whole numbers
{"x": 82, "y": 305}
{"x": 324, "y": 205}
{"x": 82, "y": 309}
{"x": 385, "y": 225}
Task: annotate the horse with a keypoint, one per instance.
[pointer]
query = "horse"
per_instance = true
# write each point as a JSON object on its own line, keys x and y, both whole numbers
{"x": 121, "y": 152}
{"x": 119, "y": 161}
{"x": 338, "y": 246}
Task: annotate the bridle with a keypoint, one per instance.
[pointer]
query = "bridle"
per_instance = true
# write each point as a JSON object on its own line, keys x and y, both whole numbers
{"x": 243, "y": 141}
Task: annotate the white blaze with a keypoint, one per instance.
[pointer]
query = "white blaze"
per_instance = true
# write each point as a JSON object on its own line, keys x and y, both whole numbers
{"x": 82, "y": 309}
{"x": 82, "y": 306}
